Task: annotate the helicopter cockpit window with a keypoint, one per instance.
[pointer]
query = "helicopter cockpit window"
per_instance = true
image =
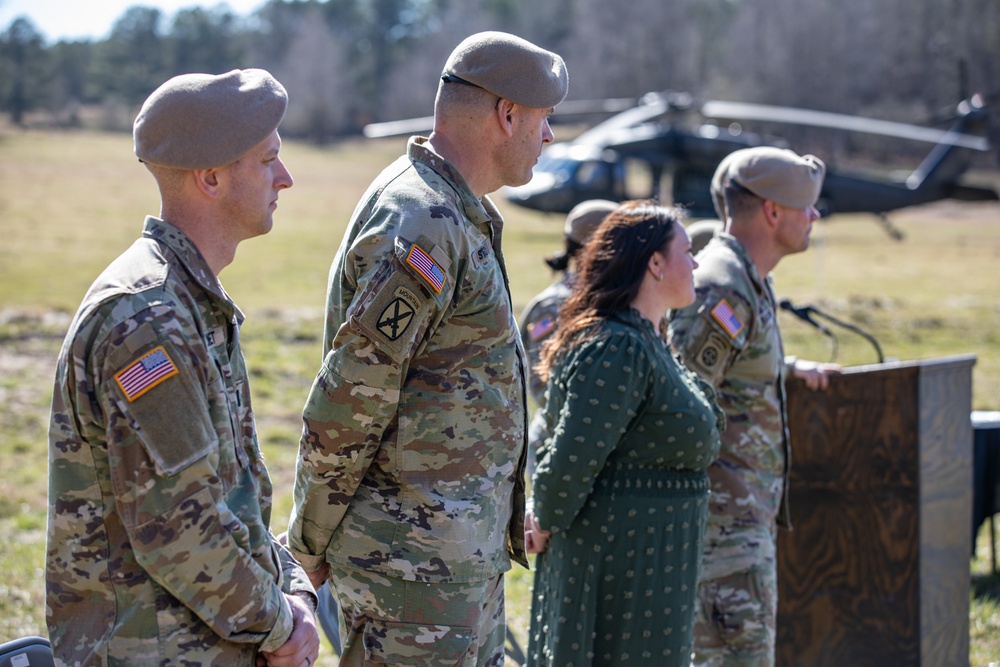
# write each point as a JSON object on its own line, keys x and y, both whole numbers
{"x": 594, "y": 175}
{"x": 641, "y": 182}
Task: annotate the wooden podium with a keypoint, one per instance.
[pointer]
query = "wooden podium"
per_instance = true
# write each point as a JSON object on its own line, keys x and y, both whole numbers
{"x": 876, "y": 569}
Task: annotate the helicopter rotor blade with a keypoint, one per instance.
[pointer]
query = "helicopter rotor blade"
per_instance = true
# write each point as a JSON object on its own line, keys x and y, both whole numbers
{"x": 395, "y": 128}
{"x": 649, "y": 107}
{"x": 764, "y": 112}
{"x": 425, "y": 124}
{"x": 581, "y": 107}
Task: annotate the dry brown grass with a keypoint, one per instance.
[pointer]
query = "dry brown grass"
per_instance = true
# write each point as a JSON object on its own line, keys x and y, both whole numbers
{"x": 70, "y": 202}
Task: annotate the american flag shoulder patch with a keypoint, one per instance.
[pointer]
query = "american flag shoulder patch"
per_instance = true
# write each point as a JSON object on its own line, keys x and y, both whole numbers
{"x": 145, "y": 373}
{"x": 727, "y": 317}
{"x": 426, "y": 267}
{"x": 541, "y": 328}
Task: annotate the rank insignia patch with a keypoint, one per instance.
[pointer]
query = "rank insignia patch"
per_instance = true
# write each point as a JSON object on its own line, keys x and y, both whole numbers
{"x": 426, "y": 267}
{"x": 145, "y": 373}
{"x": 727, "y": 317}
{"x": 395, "y": 318}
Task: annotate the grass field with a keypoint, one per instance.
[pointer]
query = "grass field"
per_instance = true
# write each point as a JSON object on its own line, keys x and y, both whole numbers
{"x": 69, "y": 203}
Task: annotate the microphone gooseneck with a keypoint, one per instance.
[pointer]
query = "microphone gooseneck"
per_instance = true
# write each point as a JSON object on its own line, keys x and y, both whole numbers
{"x": 806, "y": 312}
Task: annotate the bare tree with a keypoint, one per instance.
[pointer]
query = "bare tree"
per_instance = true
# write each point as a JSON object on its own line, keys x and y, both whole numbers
{"x": 321, "y": 99}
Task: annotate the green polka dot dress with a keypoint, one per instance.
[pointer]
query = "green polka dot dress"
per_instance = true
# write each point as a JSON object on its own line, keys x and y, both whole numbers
{"x": 622, "y": 487}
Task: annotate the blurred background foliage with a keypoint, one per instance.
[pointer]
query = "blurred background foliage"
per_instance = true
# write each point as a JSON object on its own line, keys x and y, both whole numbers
{"x": 350, "y": 62}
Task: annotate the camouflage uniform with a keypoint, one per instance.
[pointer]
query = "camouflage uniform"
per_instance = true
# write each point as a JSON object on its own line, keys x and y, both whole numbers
{"x": 460, "y": 624}
{"x": 730, "y": 336}
{"x": 538, "y": 322}
{"x": 411, "y": 463}
{"x": 158, "y": 544}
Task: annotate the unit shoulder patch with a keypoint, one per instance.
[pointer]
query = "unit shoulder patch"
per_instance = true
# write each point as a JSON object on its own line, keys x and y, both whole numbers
{"x": 391, "y": 311}
{"x": 709, "y": 358}
{"x": 397, "y": 315}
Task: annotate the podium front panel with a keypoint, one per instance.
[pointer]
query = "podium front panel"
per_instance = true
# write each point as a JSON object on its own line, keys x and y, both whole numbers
{"x": 869, "y": 573}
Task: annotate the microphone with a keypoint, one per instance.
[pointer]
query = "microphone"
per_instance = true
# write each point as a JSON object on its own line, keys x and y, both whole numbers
{"x": 804, "y": 315}
{"x": 808, "y": 311}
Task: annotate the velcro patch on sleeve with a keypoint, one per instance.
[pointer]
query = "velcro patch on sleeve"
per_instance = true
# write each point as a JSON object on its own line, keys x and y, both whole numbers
{"x": 146, "y": 372}
{"x": 713, "y": 350}
{"x": 396, "y": 316}
{"x": 710, "y": 356}
{"x": 421, "y": 262}
{"x": 391, "y": 312}
{"x": 727, "y": 318}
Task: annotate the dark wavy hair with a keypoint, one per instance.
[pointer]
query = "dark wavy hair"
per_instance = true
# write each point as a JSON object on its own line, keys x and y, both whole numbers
{"x": 610, "y": 271}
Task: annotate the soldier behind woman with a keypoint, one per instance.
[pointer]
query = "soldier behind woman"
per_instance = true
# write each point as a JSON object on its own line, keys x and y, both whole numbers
{"x": 538, "y": 321}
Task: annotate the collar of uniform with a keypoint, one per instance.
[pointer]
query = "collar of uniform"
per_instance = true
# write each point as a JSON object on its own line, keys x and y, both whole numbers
{"x": 478, "y": 211}
{"x": 192, "y": 259}
{"x": 733, "y": 244}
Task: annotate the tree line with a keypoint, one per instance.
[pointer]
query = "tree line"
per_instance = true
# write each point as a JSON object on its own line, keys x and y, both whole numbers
{"x": 349, "y": 62}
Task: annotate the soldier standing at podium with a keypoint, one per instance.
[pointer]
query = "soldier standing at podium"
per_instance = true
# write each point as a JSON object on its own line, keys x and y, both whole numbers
{"x": 730, "y": 336}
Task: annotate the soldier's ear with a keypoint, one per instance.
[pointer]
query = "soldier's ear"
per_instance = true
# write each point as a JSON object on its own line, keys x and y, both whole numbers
{"x": 771, "y": 212}
{"x": 504, "y": 112}
{"x": 208, "y": 181}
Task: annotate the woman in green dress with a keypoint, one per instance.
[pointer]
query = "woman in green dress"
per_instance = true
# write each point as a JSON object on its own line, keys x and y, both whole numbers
{"x": 620, "y": 494}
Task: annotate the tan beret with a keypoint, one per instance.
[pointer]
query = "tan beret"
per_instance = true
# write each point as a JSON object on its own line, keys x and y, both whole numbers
{"x": 718, "y": 183}
{"x": 701, "y": 232}
{"x": 585, "y": 217}
{"x": 778, "y": 174}
{"x": 509, "y": 67}
{"x": 200, "y": 121}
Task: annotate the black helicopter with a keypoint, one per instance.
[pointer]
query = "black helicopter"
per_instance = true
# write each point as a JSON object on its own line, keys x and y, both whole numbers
{"x": 628, "y": 155}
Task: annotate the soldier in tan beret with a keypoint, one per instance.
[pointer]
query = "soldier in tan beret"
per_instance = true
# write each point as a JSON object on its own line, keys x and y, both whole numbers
{"x": 538, "y": 321}
{"x": 409, "y": 490}
{"x": 730, "y": 336}
{"x": 159, "y": 549}
{"x": 701, "y": 232}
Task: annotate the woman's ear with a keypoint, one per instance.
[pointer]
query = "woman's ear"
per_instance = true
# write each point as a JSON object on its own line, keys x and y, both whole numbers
{"x": 655, "y": 265}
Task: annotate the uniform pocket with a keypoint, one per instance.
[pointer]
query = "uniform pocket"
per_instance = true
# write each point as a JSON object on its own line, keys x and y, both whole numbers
{"x": 418, "y": 645}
